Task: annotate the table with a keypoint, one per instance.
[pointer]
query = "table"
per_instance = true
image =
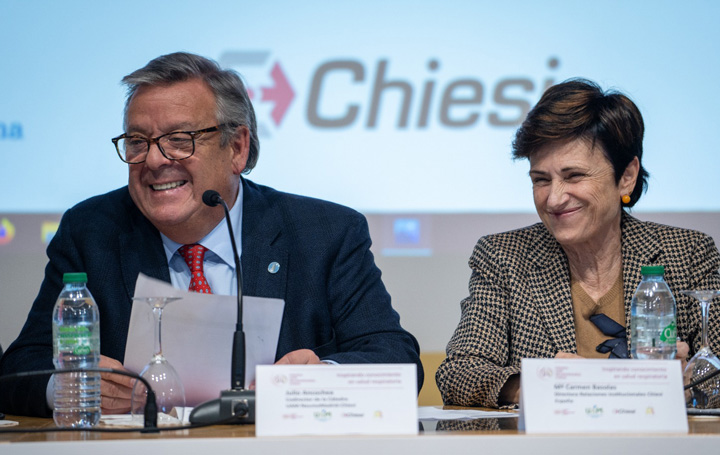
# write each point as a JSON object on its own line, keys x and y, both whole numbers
{"x": 484, "y": 436}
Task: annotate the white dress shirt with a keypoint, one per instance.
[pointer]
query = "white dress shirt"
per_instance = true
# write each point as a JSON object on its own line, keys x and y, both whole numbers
{"x": 219, "y": 265}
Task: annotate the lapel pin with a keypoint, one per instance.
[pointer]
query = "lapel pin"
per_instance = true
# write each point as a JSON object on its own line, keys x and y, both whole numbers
{"x": 273, "y": 267}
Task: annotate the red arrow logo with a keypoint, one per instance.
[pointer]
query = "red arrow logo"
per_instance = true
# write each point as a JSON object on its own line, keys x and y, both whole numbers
{"x": 281, "y": 94}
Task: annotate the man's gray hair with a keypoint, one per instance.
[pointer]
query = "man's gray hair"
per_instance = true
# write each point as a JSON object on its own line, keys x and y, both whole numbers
{"x": 233, "y": 106}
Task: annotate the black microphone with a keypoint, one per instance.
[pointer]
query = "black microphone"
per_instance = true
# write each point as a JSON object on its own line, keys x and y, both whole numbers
{"x": 236, "y": 402}
{"x": 212, "y": 198}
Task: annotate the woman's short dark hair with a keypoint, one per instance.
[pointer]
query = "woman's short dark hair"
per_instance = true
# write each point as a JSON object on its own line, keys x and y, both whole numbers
{"x": 579, "y": 109}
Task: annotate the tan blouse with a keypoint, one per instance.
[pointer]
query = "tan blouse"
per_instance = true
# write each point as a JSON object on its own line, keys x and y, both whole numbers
{"x": 587, "y": 335}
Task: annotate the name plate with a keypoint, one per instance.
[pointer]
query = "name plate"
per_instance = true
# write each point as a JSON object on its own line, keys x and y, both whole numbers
{"x": 336, "y": 399}
{"x": 602, "y": 396}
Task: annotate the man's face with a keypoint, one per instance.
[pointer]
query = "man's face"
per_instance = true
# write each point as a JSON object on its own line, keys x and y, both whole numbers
{"x": 169, "y": 193}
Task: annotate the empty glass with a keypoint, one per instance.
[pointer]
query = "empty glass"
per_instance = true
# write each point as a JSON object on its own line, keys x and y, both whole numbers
{"x": 707, "y": 394}
{"x": 161, "y": 375}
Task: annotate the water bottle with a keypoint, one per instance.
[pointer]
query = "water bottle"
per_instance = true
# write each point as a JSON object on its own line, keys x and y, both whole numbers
{"x": 652, "y": 317}
{"x": 76, "y": 344}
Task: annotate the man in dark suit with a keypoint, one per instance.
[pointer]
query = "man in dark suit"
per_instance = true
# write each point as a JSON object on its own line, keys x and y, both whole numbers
{"x": 190, "y": 127}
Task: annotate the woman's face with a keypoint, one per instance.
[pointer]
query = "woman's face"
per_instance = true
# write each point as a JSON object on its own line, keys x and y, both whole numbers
{"x": 575, "y": 192}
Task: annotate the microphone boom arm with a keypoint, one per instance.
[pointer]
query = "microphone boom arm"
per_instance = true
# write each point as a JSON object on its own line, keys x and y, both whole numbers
{"x": 236, "y": 402}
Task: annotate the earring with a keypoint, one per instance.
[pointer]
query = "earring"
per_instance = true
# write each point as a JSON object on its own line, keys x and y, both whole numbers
{"x": 625, "y": 199}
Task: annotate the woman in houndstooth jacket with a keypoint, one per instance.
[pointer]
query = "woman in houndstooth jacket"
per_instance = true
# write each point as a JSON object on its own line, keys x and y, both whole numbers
{"x": 534, "y": 290}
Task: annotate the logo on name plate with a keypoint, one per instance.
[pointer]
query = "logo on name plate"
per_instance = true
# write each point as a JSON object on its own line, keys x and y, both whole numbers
{"x": 545, "y": 373}
{"x": 594, "y": 412}
{"x": 322, "y": 416}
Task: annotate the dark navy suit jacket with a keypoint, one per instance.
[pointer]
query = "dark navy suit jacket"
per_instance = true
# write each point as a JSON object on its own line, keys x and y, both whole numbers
{"x": 335, "y": 301}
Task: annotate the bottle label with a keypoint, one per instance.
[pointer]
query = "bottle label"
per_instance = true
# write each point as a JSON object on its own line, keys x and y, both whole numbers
{"x": 75, "y": 339}
{"x": 669, "y": 334}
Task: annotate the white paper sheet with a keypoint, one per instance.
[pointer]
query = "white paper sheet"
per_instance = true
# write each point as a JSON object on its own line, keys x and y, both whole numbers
{"x": 197, "y": 333}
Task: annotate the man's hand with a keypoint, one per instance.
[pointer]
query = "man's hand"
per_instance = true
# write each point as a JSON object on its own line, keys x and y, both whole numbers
{"x": 299, "y": 357}
{"x": 116, "y": 390}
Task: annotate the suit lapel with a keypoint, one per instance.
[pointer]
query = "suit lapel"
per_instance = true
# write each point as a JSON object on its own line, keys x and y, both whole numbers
{"x": 141, "y": 250}
{"x": 264, "y": 250}
{"x": 550, "y": 281}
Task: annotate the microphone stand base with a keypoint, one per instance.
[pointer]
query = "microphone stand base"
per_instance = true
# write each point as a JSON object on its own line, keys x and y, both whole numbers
{"x": 235, "y": 406}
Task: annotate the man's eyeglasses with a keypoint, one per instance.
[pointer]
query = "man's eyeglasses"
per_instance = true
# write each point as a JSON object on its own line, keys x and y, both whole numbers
{"x": 177, "y": 145}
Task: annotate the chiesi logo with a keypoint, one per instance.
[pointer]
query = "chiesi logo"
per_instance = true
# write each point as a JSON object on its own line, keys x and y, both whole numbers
{"x": 277, "y": 95}
{"x": 7, "y": 231}
{"x": 345, "y": 93}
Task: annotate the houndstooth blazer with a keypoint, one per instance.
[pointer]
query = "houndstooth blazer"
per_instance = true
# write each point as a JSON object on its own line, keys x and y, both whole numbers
{"x": 520, "y": 304}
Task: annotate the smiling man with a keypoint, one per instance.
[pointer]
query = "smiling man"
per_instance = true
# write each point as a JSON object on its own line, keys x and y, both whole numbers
{"x": 190, "y": 127}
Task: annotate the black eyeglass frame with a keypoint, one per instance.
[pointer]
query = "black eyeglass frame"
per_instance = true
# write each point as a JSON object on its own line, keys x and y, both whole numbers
{"x": 156, "y": 140}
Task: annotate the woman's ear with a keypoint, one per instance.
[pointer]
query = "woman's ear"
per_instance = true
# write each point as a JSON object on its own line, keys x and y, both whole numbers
{"x": 626, "y": 185}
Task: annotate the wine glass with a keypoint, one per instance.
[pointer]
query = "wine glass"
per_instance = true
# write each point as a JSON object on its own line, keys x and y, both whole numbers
{"x": 164, "y": 380}
{"x": 707, "y": 394}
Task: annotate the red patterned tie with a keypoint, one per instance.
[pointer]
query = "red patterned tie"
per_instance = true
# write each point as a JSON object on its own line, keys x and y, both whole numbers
{"x": 194, "y": 256}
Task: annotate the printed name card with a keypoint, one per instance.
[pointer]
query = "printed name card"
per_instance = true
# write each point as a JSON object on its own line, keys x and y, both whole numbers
{"x": 602, "y": 396}
{"x": 336, "y": 399}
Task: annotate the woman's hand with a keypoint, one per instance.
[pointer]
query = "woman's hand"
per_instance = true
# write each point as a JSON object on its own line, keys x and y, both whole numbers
{"x": 682, "y": 353}
{"x": 567, "y": 355}
{"x": 510, "y": 391}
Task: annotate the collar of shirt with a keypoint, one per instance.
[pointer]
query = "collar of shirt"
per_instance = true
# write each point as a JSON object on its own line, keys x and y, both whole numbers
{"x": 219, "y": 265}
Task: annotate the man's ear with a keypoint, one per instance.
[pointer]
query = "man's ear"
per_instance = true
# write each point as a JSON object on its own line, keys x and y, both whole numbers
{"x": 240, "y": 144}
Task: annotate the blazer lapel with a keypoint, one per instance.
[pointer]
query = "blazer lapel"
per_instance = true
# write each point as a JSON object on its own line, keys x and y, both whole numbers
{"x": 550, "y": 277}
{"x": 264, "y": 252}
{"x": 550, "y": 281}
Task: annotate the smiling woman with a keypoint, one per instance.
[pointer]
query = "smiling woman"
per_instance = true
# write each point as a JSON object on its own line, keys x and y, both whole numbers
{"x": 533, "y": 291}
{"x": 576, "y": 195}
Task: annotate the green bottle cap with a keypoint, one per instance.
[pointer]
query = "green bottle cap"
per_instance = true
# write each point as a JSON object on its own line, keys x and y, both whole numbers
{"x": 653, "y": 270}
{"x": 78, "y": 277}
